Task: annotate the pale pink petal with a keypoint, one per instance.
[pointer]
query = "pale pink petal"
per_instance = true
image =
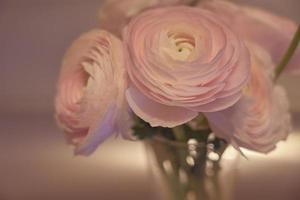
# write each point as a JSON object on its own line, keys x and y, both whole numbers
{"x": 90, "y": 101}
{"x": 219, "y": 104}
{"x": 185, "y": 58}
{"x": 260, "y": 119}
{"x": 175, "y": 2}
{"x": 114, "y": 15}
{"x": 155, "y": 113}
{"x": 272, "y": 32}
{"x": 98, "y": 133}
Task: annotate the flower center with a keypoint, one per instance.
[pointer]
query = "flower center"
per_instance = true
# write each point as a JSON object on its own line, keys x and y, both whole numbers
{"x": 180, "y": 46}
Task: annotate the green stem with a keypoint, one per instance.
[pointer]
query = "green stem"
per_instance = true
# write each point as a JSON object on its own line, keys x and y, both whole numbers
{"x": 288, "y": 54}
{"x": 179, "y": 133}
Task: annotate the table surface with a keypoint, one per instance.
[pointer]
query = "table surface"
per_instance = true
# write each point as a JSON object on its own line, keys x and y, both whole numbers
{"x": 35, "y": 164}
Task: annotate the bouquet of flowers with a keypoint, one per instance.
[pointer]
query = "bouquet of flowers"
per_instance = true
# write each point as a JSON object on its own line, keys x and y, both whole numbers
{"x": 180, "y": 69}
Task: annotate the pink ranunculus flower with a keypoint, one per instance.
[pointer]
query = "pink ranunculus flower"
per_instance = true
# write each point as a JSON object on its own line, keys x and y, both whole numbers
{"x": 115, "y": 14}
{"x": 90, "y": 102}
{"x": 272, "y": 32}
{"x": 260, "y": 119}
{"x": 181, "y": 61}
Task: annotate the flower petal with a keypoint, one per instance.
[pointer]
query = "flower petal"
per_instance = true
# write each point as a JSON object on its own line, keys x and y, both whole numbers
{"x": 155, "y": 113}
{"x": 185, "y": 57}
{"x": 98, "y": 133}
{"x": 219, "y": 104}
{"x": 115, "y": 14}
{"x": 272, "y": 32}
{"x": 260, "y": 119}
{"x": 90, "y": 101}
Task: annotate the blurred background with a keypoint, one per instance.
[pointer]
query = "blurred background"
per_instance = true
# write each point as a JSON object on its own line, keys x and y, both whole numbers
{"x": 36, "y": 164}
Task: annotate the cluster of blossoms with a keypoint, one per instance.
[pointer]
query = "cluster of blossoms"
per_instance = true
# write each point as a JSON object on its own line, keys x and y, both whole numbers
{"x": 167, "y": 62}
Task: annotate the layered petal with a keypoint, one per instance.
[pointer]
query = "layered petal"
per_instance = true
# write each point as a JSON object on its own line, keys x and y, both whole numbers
{"x": 260, "y": 119}
{"x": 90, "y": 102}
{"x": 272, "y": 32}
{"x": 185, "y": 57}
{"x": 115, "y": 14}
{"x": 157, "y": 114}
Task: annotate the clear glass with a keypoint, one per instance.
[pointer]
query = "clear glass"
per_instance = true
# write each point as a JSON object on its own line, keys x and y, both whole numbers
{"x": 192, "y": 170}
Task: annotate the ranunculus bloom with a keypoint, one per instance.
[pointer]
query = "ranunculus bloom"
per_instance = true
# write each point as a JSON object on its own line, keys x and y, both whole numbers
{"x": 90, "y": 102}
{"x": 115, "y": 14}
{"x": 272, "y": 32}
{"x": 260, "y": 119}
{"x": 181, "y": 61}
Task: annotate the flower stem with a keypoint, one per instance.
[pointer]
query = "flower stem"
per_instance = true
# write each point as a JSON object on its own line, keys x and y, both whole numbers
{"x": 288, "y": 54}
{"x": 179, "y": 133}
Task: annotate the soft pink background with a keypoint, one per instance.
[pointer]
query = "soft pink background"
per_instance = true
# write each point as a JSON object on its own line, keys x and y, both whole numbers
{"x": 34, "y": 161}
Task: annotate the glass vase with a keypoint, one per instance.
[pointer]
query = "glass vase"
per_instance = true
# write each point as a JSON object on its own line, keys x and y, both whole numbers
{"x": 191, "y": 170}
